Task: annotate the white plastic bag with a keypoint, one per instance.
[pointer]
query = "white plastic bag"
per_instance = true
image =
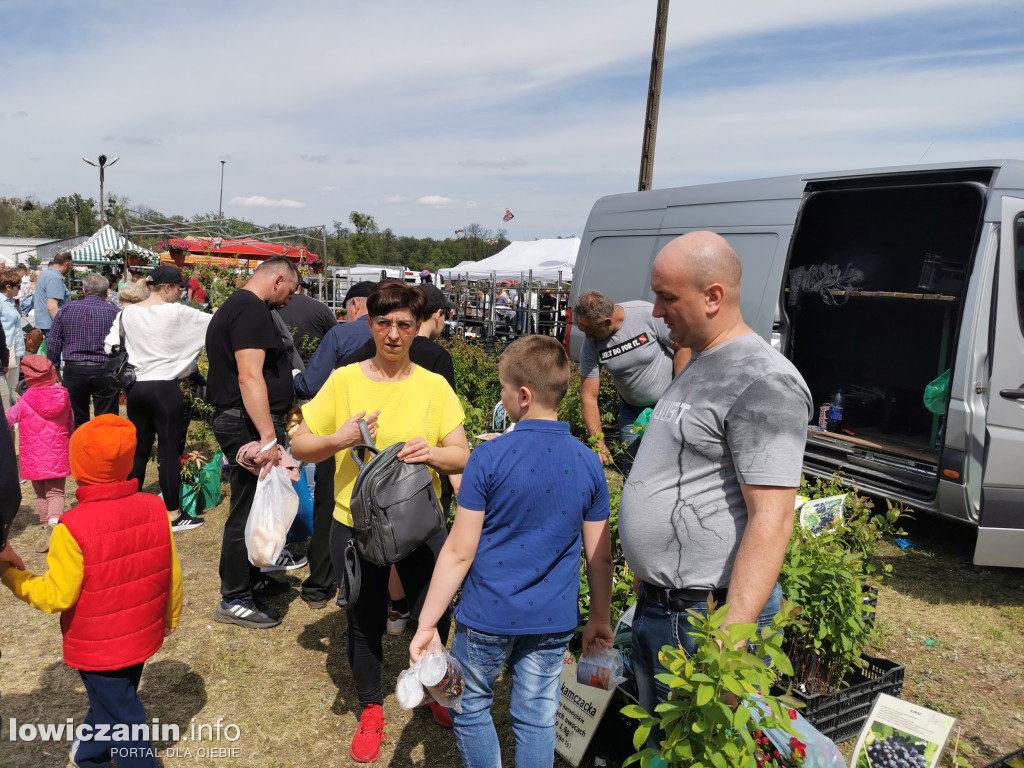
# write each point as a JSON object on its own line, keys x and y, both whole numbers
{"x": 273, "y": 509}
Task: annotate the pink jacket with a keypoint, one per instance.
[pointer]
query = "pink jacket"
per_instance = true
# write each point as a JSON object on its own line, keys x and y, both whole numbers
{"x": 44, "y": 414}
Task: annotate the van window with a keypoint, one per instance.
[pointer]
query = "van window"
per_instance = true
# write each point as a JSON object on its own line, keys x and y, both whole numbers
{"x": 620, "y": 267}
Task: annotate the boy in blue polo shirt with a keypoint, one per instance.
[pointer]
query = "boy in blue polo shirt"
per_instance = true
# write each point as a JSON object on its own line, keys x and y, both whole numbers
{"x": 527, "y": 500}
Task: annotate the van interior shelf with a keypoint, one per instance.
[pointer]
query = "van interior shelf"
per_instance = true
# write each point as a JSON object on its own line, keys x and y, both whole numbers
{"x": 895, "y": 295}
{"x": 892, "y": 446}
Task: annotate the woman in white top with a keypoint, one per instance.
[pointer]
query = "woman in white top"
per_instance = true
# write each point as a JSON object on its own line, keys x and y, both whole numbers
{"x": 162, "y": 338}
{"x": 10, "y": 318}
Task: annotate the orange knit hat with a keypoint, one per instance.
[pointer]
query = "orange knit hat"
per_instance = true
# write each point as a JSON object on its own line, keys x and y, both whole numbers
{"x": 103, "y": 450}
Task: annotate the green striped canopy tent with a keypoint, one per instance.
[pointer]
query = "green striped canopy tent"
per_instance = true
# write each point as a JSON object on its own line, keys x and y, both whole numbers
{"x": 98, "y": 248}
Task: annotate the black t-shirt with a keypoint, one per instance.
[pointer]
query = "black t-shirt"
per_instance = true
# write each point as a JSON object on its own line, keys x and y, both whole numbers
{"x": 423, "y": 352}
{"x": 305, "y": 316}
{"x": 244, "y": 322}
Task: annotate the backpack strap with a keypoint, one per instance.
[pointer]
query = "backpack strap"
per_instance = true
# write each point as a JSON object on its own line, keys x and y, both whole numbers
{"x": 358, "y": 452}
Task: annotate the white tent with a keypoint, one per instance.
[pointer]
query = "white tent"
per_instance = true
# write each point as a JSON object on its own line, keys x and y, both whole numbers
{"x": 97, "y": 249}
{"x": 545, "y": 258}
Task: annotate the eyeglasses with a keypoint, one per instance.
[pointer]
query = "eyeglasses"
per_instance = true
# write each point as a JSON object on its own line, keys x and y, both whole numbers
{"x": 383, "y": 325}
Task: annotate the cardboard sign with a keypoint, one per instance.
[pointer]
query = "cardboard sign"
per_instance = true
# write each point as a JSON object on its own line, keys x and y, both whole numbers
{"x": 580, "y": 709}
{"x": 898, "y": 732}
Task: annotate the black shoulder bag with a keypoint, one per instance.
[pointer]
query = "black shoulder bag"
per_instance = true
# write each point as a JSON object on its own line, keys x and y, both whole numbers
{"x": 118, "y": 373}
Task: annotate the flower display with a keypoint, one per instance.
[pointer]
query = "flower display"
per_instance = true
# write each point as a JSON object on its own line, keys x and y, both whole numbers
{"x": 173, "y": 245}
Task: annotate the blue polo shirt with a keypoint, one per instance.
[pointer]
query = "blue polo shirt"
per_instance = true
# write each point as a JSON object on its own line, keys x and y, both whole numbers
{"x": 536, "y": 486}
{"x": 50, "y": 285}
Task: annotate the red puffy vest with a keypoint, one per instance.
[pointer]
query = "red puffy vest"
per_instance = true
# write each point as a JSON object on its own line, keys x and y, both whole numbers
{"x": 125, "y": 539}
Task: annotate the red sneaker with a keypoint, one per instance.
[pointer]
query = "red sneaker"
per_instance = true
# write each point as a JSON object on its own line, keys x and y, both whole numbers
{"x": 369, "y": 735}
{"x": 441, "y": 714}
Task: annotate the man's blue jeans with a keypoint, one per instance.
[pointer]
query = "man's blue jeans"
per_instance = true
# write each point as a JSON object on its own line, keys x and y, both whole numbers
{"x": 630, "y": 440}
{"x": 536, "y": 662}
{"x": 654, "y": 626}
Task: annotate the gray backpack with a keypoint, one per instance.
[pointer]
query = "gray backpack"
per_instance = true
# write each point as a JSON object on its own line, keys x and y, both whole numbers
{"x": 394, "y": 507}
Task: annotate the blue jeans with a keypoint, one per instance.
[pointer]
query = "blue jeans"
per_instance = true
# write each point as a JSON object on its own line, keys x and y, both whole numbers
{"x": 114, "y": 700}
{"x": 630, "y": 440}
{"x": 654, "y": 626}
{"x": 536, "y": 662}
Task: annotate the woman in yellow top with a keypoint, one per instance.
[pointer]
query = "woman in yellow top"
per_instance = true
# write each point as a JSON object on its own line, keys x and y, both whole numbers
{"x": 400, "y": 401}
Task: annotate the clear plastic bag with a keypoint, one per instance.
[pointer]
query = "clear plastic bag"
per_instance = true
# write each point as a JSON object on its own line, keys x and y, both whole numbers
{"x": 819, "y": 751}
{"x": 440, "y": 678}
{"x": 409, "y": 690}
{"x": 603, "y": 670}
{"x": 273, "y": 509}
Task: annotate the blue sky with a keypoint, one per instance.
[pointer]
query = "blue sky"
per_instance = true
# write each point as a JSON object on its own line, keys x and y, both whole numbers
{"x": 431, "y": 116}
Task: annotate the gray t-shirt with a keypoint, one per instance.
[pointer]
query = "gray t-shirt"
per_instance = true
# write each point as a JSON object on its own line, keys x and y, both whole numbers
{"x": 737, "y": 413}
{"x": 638, "y": 355}
{"x": 50, "y": 285}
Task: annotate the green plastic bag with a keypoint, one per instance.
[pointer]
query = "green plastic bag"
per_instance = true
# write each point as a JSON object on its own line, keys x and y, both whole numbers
{"x": 640, "y": 425}
{"x": 191, "y": 500}
{"x": 209, "y": 481}
{"x": 936, "y": 393}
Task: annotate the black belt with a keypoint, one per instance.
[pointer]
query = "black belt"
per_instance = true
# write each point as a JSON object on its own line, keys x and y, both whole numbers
{"x": 239, "y": 413}
{"x": 679, "y": 600}
{"x": 89, "y": 363}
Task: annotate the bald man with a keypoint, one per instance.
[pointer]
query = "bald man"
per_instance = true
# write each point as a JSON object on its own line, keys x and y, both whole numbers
{"x": 709, "y": 504}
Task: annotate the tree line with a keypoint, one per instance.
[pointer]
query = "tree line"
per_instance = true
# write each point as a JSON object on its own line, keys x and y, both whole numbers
{"x": 357, "y": 240}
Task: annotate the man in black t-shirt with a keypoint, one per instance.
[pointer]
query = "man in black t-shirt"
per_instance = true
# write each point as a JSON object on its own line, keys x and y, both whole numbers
{"x": 250, "y": 384}
{"x": 308, "y": 320}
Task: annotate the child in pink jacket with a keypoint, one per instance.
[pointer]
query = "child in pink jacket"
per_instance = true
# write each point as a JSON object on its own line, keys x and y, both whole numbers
{"x": 46, "y": 420}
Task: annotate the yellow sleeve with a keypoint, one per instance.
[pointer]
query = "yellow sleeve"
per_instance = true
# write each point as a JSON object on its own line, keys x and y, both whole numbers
{"x": 58, "y": 589}
{"x": 321, "y": 413}
{"x": 173, "y": 612}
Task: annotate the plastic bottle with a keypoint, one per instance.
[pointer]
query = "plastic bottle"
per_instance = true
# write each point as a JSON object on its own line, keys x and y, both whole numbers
{"x": 835, "y": 415}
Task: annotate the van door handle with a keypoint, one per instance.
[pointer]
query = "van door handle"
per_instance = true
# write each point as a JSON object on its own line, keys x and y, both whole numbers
{"x": 1012, "y": 394}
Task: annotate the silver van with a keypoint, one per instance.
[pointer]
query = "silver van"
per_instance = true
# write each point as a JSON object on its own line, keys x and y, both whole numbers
{"x": 875, "y": 282}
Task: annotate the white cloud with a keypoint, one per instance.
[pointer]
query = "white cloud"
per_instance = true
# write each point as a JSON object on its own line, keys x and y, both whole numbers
{"x": 572, "y": 102}
{"x": 259, "y": 201}
{"x": 435, "y": 201}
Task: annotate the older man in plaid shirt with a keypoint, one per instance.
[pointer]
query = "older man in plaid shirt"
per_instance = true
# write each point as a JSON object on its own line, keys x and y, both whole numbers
{"x": 77, "y": 335}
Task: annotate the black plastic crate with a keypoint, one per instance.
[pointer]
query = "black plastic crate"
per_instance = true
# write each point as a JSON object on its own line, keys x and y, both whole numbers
{"x": 1004, "y": 761}
{"x": 841, "y": 714}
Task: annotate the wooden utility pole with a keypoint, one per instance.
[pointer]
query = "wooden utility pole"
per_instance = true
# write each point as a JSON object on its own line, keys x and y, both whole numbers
{"x": 653, "y": 98}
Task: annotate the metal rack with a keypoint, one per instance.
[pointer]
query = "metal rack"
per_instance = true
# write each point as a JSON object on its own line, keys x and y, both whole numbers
{"x": 499, "y": 308}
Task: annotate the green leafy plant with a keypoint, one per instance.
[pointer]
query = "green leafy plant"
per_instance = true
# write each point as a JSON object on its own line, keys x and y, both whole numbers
{"x": 716, "y": 704}
{"x": 192, "y": 463}
{"x": 219, "y": 280}
{"x": 831, "y": 574}
{"x": 306, "y": 344}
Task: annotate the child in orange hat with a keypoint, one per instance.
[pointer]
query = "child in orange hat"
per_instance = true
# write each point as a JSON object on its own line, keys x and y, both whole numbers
{"x": 46, "y": 419}
{"x": 114, "y": 575}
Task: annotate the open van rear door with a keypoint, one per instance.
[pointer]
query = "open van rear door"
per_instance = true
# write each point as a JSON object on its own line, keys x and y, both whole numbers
{"x": 1001, "y": 527}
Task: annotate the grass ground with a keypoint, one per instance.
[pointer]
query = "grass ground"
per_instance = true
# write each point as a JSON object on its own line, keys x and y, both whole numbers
{"x": 290, "y": 693}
